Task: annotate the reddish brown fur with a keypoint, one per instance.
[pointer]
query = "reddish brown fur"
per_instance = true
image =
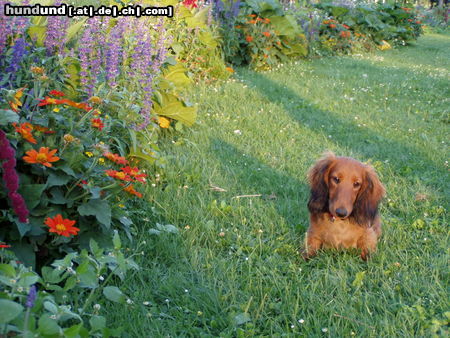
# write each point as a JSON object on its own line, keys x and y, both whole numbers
{"x": 343, "y": 206}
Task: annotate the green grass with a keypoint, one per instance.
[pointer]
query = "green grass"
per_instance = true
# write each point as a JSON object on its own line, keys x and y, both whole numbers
{"x": 389, "y": 108}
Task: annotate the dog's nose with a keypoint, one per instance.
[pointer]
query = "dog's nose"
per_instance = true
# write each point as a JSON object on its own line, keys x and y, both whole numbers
{"x": 341, "y": 212}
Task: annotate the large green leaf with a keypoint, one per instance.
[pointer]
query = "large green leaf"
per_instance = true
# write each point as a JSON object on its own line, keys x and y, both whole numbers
{"x": 98, "y": 208}
{"x": 9, "y": 310}
{"x": 32, "y": 194}
{"x": 174, "y": 108}
{"x": 177, "y": 75}
{"x": 114, "y": 294}
{"x": 7, "y": 117}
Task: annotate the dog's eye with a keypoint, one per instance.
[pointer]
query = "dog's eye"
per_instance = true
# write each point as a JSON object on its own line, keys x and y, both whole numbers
{"x": 336, "y": 179}
{"x": 356, "y": 184}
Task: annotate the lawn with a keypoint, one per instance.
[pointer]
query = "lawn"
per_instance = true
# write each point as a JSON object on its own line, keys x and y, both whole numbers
{"x": 233, "y": 268}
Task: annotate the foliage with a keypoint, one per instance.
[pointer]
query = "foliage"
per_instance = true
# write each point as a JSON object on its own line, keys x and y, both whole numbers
{"x": 390, "y": 22}
{"x": 261, "y": 34}
{"x": 64, "y": 299}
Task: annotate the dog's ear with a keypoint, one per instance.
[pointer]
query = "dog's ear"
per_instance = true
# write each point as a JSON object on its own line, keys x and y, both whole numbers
{"x": 318, "y": 181}
{"x": 372, "y": 191}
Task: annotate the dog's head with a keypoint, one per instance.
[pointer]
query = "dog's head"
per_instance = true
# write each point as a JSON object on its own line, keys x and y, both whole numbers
{"x": 344, "y": 187}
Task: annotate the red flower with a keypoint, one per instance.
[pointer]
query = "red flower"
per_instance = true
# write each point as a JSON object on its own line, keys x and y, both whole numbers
{"x": 346, "y": 27}
{"x": 267, "y": 34}
{"x": 97, "y": 123}
{"x": 56, "y": 93}
{"x": 345, "y": 34}
{"x": 249, "y": 38}
{"x": 4, "y": 246}
{"x": 120, "y": 175}
{"x": 332, "y": 26}
{"x": 134, "y": 172}
{"x": 63, "y": 227}
{"x": 115, "y": 158}
{"x": 190, "y": 3}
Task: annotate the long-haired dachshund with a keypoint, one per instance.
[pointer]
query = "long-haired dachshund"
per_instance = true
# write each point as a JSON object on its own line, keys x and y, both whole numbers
{"x": 343, "y": 206}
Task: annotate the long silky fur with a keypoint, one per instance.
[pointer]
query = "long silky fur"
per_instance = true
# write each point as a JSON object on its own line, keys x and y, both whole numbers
{"x": 318, "y": 181}
{"x": 365, "y": 208}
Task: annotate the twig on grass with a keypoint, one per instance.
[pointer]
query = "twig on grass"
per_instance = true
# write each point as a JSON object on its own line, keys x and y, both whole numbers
{"x": 245, "y": 196}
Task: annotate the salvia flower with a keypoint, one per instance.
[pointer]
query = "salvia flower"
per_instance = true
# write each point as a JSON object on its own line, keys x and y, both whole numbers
{"x": 31, "y": 299}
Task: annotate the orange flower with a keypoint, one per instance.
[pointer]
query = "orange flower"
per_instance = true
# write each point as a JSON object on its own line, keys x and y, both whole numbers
{"x": 252, "y": 22}
{"x": 25, "y": 130}
{"x": 266, "y": 20}
{"x": 346, "y": 27}
{"x": 95, "y": 99}
{"x": 238, "y": 27}
{"x": 81, "y": 105}
{"x": 231, "y": 70}
{"x": 47, "y": 100}
{"x": 56, "y": 93}
{"x": 120, "y": 175}
{"x": 97, "y": 123}
{"x": 15, "y": 104}
{"x": 252, "y": 15}
{"x": 130, "y": 189}
{"x": 134, "y": 172}
{"x": 418, "y": 22}
{"x": 345, "y": 34}
{"x": 266, "y": 34}
{"x": 259, "y": 19}
{"x": 249, "y": 38}
{"x": 61, "y": 226}
{"x": 44, "y": 156}
{"x": 115, "y": 158}
{"x": 43, "y": 129}
{"x": 332, "y": 25}
{"x": 163, "y": 122}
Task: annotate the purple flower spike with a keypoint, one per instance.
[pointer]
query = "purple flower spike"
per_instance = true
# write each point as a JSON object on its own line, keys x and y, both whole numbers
{"x": 31, "y": 297}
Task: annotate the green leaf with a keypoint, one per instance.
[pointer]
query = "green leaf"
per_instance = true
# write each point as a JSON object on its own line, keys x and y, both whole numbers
{"x": 7, "y": 117}
{"x": 70, "y": 283}
{"x": 51, "y": 307}
{"x": 116, "y": 240}
{"x": 97, "y": 323}
{"x": 242, "y": 318}
{"x": 27, "y": 279}
{"x": 32, "y": 193}
{"x": 48, "y": 326}
{"x": 98, "y": 208}
{"x": 73, "y": 331}
{"x": 75, "y": 28}
{"x": 9, "y": 310}
{"x": 177, "y": 74}
{"x": 114, "y": 294}
{"x": 8, "y": 270}
{"x": 57, "y": 179}
{"x": 174, "y": 108}
{"x": 359, "y": 279}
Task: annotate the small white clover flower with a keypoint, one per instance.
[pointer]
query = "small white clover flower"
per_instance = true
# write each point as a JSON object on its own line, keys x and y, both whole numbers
{"x": 97, "y": 307}
{"x": 324, "y": 329}
{"x": 129, "y": 301}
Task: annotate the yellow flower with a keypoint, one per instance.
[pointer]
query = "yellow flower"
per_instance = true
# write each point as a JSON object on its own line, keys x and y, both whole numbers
{"x": 89, "y": 154}
{"x": 384, "y": 45}
{"x": 101, "y": 160}
{"x": 121, "y": 206}
{"x": 37, "y": 70}
{"x": 95, "y": 99}
{"x": 56, "y": 110}
{"x": 163, "y": 122}
{"x": 69, "y": 138}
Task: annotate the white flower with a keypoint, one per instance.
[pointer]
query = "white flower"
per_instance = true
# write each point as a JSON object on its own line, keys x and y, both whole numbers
{"x": 324, "y": 329}
{"x": 301, "y": 321}
{"x": 97, "y": 307}
{"x": 129, "y": 301}
{"x": 237, "y": 132}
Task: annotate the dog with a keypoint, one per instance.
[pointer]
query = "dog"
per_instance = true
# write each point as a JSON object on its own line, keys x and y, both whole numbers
{"x": 343, "y": 206}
